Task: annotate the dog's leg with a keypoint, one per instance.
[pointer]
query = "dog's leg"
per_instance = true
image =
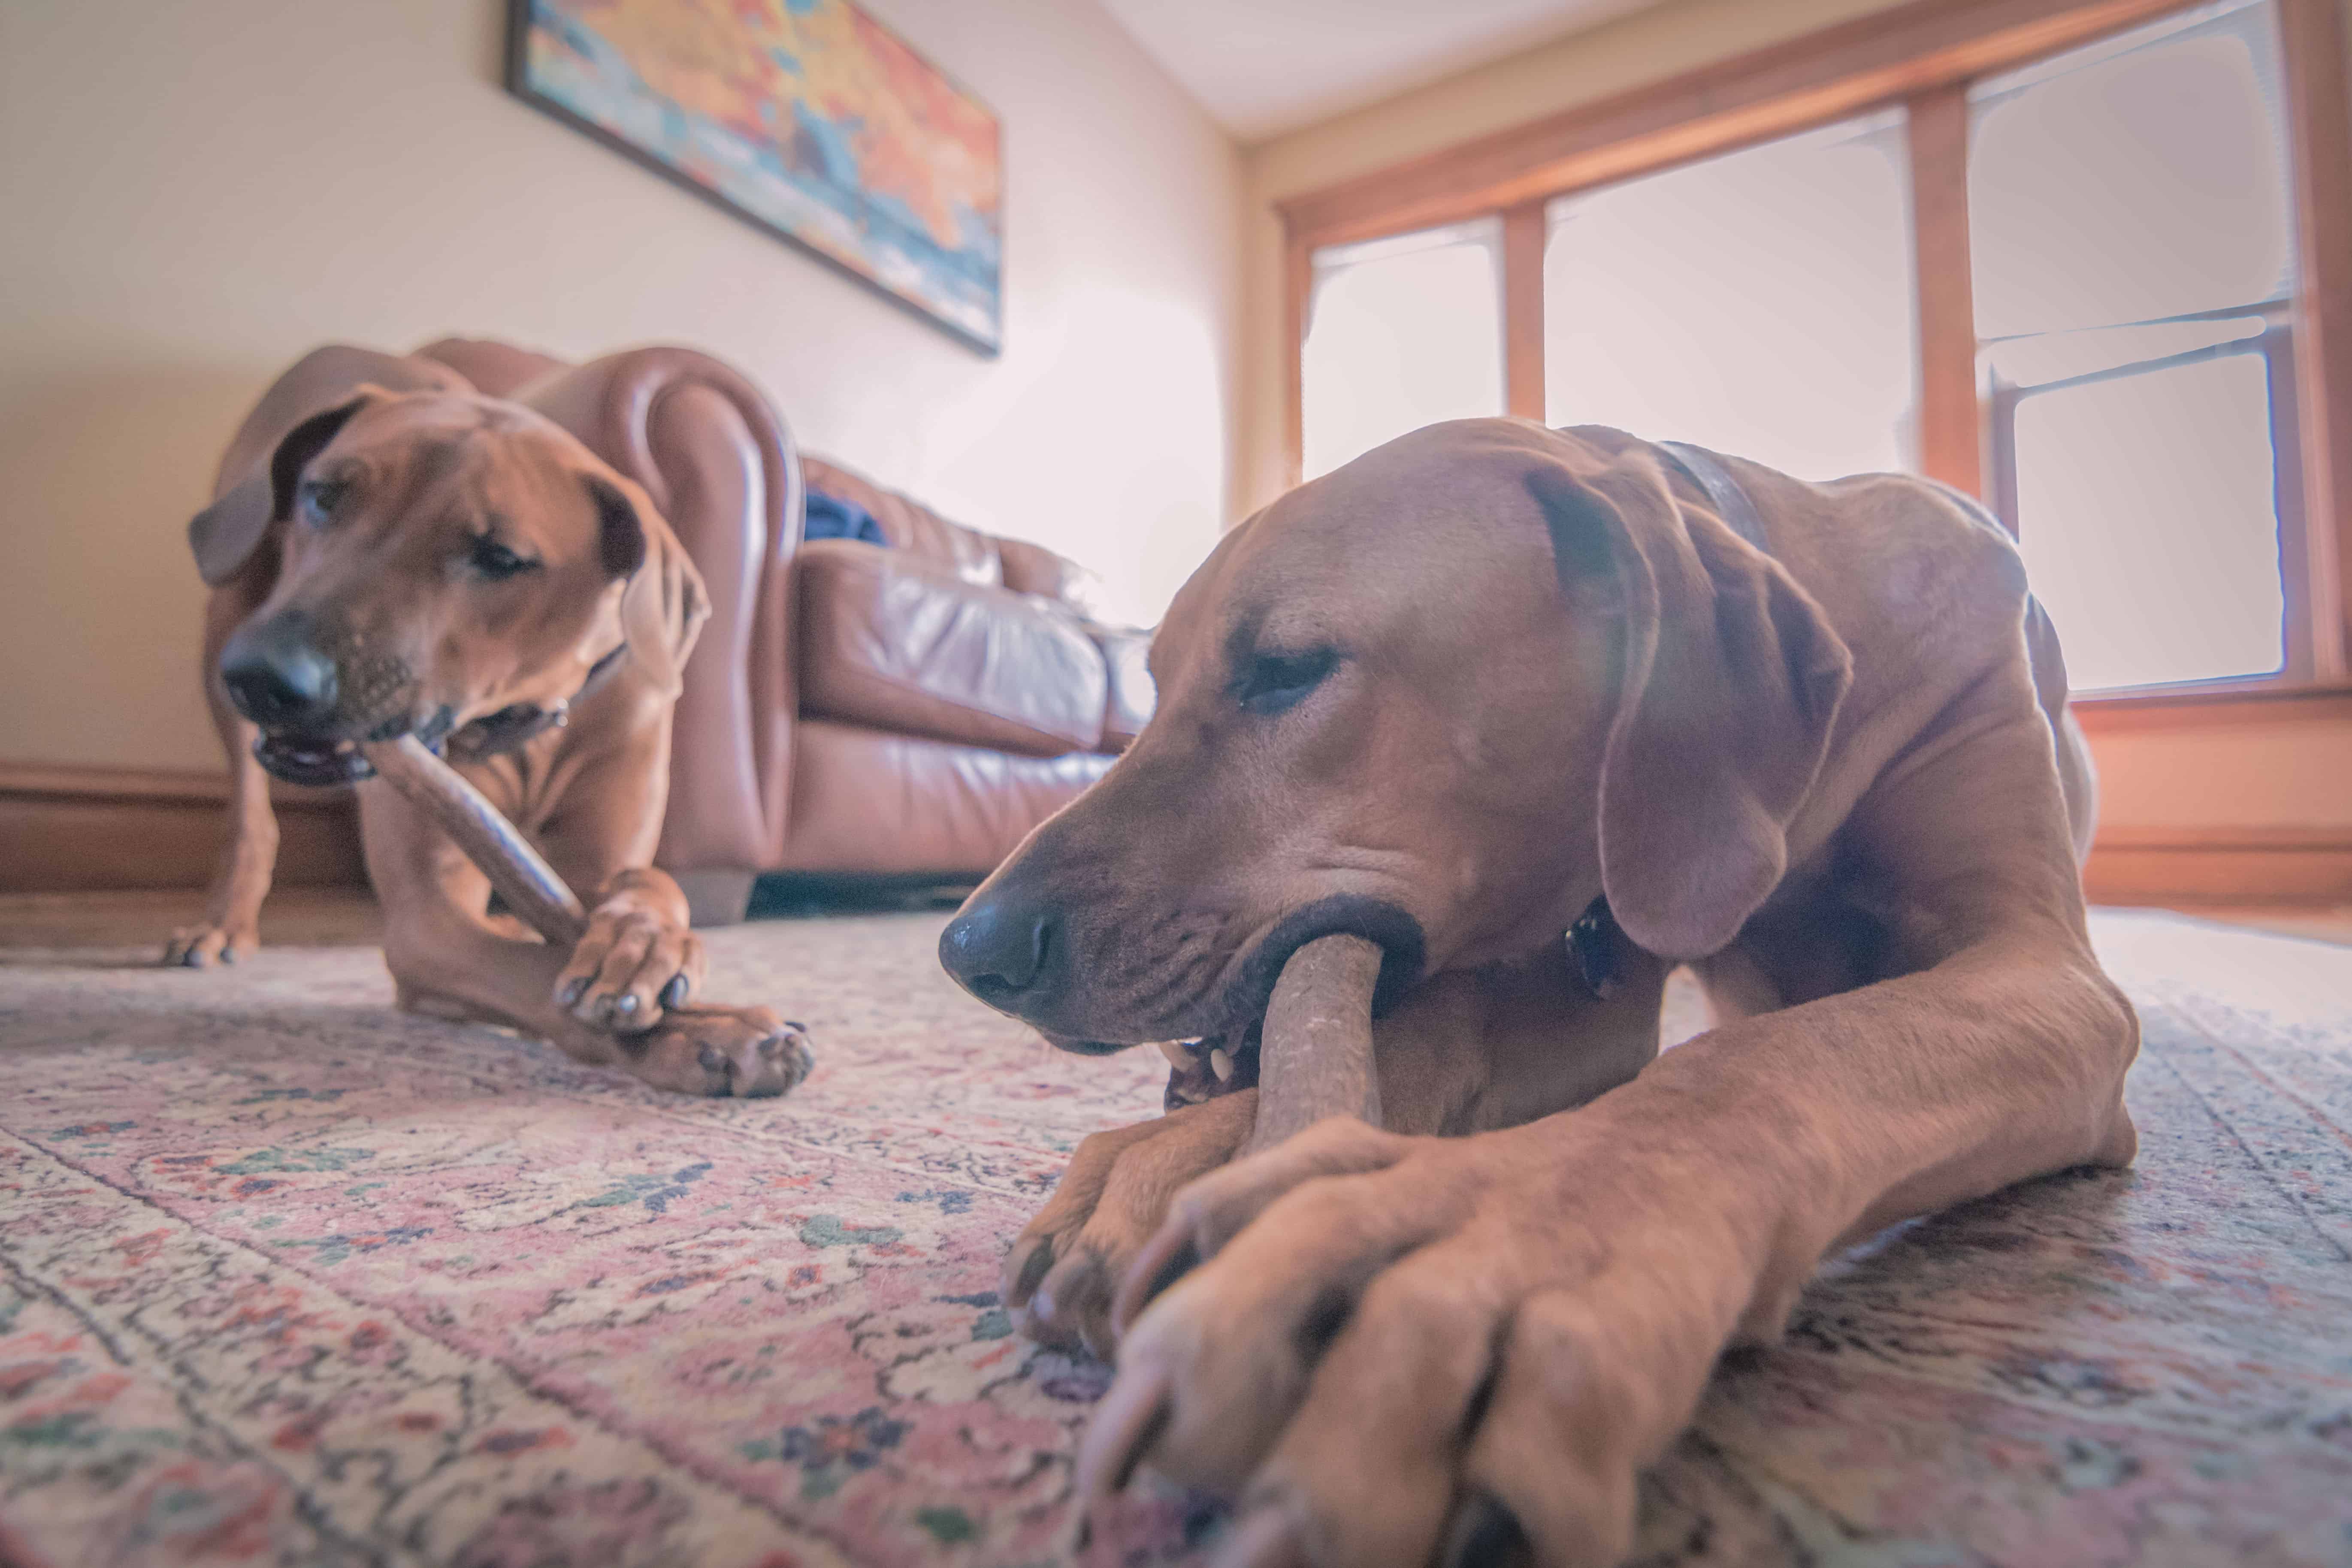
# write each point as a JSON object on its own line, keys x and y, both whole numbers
{"x": 1401, "y": 1346}
{"x": 1467, "y": 1051}
{"x": 231, "y": 926}
{"x": 451, "y": 959}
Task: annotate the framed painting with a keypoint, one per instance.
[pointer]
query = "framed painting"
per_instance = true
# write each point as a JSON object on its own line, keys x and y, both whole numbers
{"x": 806, "y": 117}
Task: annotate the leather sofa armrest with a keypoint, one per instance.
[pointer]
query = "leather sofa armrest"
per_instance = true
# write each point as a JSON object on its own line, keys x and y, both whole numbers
{"x": 717, "y": 460}
{"x": 1130, "y": 693}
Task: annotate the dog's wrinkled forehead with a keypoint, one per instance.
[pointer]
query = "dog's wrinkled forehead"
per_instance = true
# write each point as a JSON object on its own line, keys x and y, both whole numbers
{"x": 418, "y": 459}
{"x": 1432, "y": 514}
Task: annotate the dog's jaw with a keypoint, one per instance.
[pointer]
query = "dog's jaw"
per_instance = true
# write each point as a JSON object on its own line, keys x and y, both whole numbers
{"x": 324, "y": 760}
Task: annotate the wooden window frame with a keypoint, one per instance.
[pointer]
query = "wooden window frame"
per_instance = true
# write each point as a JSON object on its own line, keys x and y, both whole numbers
{"x": 1922, "y": 57}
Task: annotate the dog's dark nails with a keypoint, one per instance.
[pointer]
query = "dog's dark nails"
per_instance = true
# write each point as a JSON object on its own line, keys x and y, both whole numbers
{"x": 1026, "y": 1271}
{"x": 1485, "y": 1535}
{"x": 673, "y": 994}
{"x": 627, "y": 1006}
{"x": 573, "y": 990}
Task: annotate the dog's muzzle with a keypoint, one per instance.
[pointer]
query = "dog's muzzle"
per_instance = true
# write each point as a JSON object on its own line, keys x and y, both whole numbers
{"x": 319, "y": 760}
{"x": 1016, "y": 956}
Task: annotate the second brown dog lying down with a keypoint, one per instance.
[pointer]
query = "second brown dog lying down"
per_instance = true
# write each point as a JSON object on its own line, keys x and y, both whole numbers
{"x": 391, "y": 556}
{"x": 1488, "y": 683}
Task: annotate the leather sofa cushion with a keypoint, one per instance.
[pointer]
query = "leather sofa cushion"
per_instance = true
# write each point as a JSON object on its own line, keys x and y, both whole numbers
{"x": 892, "y": 641}
{"x": 866, "y": 803}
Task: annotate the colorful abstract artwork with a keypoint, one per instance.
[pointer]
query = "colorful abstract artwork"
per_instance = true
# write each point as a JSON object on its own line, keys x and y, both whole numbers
{"x": 805, "y": 116}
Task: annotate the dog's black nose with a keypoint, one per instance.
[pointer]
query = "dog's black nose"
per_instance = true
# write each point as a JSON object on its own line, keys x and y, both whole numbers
{"x": 1000, "y": 949}
{"x": 276, "y": 677}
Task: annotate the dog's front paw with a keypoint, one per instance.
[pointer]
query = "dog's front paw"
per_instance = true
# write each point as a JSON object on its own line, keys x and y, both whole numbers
{"x": 747, "y": 1052}
{"x": 1415, "y": 1350}
{"x": 1064, "y": 1270}
{"x": 210, "y": 941}
{"x": 635, "y": 964}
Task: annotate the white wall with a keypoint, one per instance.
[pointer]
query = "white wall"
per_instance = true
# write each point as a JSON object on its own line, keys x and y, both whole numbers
{"x": 191, "y": 194}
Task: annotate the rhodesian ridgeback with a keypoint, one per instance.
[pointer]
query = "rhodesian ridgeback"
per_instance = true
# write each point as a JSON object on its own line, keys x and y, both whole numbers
{"x": 1485, "y": 684}
{"x": 391, "y": 555}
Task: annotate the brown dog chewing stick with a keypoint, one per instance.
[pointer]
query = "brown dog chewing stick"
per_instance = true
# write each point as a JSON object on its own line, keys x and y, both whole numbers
{"x": 397, "y": 558}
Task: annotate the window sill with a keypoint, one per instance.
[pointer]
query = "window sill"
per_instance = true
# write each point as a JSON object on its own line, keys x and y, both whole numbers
{"x": 2215, "y": 704}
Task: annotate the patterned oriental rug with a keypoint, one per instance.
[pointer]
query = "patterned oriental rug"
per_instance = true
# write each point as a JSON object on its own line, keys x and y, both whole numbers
{"x": 288, "y": 1278}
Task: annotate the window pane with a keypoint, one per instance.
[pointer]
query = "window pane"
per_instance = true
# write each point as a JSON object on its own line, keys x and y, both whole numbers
{"x": 2140, "y": 178}
{"x": 1759, "y": 303}
{"x": 2129, "y": 213}
{"x": 2150, "y": 535}
{"x": 1403, "y": 333}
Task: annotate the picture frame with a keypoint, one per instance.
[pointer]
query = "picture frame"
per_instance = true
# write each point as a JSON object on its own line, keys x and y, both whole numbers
{"x": 806, "y": 119}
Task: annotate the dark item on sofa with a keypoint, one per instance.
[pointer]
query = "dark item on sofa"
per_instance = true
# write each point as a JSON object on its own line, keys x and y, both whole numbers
{"x": 830, "y": 517}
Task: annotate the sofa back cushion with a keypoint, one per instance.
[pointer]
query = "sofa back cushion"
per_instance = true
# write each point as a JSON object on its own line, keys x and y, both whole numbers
{"x": 890, "y": 641}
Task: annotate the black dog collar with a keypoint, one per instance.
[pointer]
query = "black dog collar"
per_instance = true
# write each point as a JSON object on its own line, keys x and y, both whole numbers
{"x": 1592, "y": 941}
{"x": 1731, "y": 503}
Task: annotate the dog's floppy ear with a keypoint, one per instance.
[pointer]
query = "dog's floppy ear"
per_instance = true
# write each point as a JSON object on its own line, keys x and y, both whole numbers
{"x": 663, "y": 605}
{"x": 1731, "y": 678}
{"x": 226, "y": 533}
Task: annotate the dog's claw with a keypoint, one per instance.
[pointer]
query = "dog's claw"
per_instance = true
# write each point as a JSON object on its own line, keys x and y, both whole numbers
{"x": 1265, "y": 1539}
{"x": 1126, "y": 1424}
{"x": 1025, "y": 1267}
{"x": 784, "y": 1059}
{"x": 674, "y": 993}
{"x": 1485, "y": 1535}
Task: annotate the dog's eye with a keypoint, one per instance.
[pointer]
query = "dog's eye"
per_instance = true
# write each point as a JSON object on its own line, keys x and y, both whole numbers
{"x": 319, "y": 499}
{"x": 495, "y": 561}
{"x": 1275, "y": 682}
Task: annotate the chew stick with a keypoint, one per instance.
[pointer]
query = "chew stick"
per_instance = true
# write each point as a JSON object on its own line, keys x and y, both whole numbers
{"x": 530, "y": 886}
{"x": 1314, "y": 1055}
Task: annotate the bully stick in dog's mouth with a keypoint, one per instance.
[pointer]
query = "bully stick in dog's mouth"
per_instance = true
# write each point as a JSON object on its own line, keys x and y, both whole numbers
{"x": 1312, "y": 1057}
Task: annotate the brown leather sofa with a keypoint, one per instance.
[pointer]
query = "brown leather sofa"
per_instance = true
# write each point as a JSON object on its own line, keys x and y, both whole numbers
{"x": 908, "y": 712}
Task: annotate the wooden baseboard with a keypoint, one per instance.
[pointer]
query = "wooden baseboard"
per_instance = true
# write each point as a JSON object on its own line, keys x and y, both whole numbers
{"x": 67, "y": 829}
{"x": 2232, "y": 865}
{"x": 64, "y": 831}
